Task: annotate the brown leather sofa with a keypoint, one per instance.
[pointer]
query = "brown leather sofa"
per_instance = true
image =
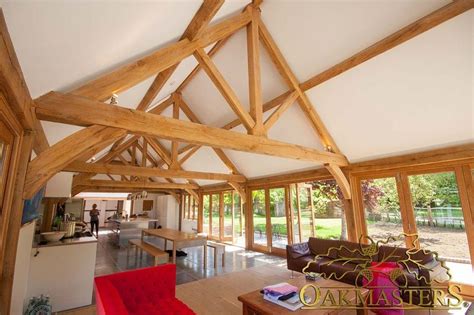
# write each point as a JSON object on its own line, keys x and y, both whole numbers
{"x": 338, "y": 257}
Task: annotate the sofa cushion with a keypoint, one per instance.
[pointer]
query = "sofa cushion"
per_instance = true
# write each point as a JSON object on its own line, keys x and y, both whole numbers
{"x": 298, "y": 250}
{"x": 320, "y": 246}
{"x": 315, "y": 266}
{"x": 391, "y": 254}
{"x": 301, "y": 262}
{"x": 354, "y": 252}
{"x": 341, "y": 272}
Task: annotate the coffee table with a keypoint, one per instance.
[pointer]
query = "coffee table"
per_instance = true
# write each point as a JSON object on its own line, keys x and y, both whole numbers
{"x": 253, "y": 302}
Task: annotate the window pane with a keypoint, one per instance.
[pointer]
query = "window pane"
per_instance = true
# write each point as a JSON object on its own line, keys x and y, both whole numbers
{"x": 306, "y": 215}
{"x": 185, "y": 207}
{"x": 438, "y": 214}
{"x": 228, "y": 214}
{"x": 328, "y": 210}
{"x": 239, "y": 222}
{"x": 278, "y": 217}
{"x": 205, "y": 219}
{"x": 259, "y": 219}
{"x": 294, "y": 207}
{"x": 215, "y": 215}
{"x": 382, "y": 208}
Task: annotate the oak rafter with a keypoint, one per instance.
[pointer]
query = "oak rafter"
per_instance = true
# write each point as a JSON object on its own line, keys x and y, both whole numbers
{"x": 200, "y": 20}
{"x": 72, "y": 109}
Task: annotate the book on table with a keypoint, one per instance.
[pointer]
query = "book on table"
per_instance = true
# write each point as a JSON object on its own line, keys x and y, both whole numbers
{"x": 283, "y": 294}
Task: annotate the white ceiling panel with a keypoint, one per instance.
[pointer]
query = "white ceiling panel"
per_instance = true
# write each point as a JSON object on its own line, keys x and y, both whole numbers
{"x": 413, "y": 97}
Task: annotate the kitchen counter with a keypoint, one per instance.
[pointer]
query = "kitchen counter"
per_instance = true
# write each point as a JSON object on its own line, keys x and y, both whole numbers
{"x": 64, "y": 272}
{"x": 130, "y": 228}
{"x": 132, "y": 220}
{"x": 65, "y": 241}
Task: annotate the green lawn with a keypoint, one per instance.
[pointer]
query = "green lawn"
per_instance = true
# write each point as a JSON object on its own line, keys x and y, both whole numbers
{"x": 325, "y": 228}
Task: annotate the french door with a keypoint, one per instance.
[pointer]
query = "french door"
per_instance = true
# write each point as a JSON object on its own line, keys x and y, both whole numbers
{"x": 219, "y": 212}
{"x": 270, "y": 216}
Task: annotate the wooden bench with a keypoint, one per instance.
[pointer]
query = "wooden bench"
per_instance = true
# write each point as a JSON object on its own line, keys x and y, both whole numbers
{"x": 218, "y": 249}
{"x": 161, "y": 257}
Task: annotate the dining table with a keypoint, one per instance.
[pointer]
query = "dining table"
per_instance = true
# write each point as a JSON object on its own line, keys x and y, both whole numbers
{"x": 180, "y": 240}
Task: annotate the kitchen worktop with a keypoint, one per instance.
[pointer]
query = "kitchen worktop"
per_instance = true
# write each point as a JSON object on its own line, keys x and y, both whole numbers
{"x": 137, "y": 220}
{"x": 65, "y": 241}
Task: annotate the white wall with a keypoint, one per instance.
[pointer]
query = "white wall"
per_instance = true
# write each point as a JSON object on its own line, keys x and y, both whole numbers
{"x": 65, "y": 273}
{"x": 22, "y": 268}
{"x": 59, "y": 185}
{"x": 74, "y": 206}
{"x": 167, "y": 212}
{"x": 138, "y": 204}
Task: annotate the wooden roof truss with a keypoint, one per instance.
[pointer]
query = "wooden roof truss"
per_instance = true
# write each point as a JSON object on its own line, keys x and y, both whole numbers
{"x": 141, "y": 161}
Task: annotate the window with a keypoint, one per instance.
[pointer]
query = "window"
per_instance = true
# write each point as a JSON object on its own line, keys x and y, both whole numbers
{"x": 228, "y": 204}
{"x": 381, "y": 208}
{"x": 206, "y": 211}
{"x": 259, "y": 217}
{"x": 239, "y": 222}
{"x": 215, "y": 218}
{"x": 439, "y": 215}
{"x": 330, "y": 220}
{"x": 306, "y": 213}
{"x": 297, "y": 232}
{"x": 278, "y": 218}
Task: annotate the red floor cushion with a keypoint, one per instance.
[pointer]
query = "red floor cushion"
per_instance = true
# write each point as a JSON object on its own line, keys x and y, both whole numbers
{"x": 141, "y": 291}
{"x": 381, "y": 282}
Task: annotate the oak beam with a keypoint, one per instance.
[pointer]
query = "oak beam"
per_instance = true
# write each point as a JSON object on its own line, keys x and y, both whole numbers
{"x": 135, "y": 72}
{"x": 220, "y": 153}
{"x": 175, "y": 144}
{"x": 188, "y": 155}
{"x": 137, "y": 184}
{"x": 255, "y": 84}
{"x": 15, "y": 89}
{"x": 106, "y": 159}
{"x": 305, "y": 104}
{"x": 280, "y": 110}
{"x": 200, "y": 20}
{"x": 224, "y": 88}
{"x": 240, "y": 190}
{"x": 77, "y": 110}
{"x": 159, "y": 149}
{"x": 52, "y": 160}
{"x": 85, "y": 188}
{"x": 410, "y": 31}
{"x": 114, "y": 169}
{"x": 219, "y": 44}
{"x": 162, "y": 106}
{"x": 341, "y": 179}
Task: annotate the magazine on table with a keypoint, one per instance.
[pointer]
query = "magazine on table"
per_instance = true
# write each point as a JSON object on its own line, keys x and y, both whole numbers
{"x": 283, "y": 294}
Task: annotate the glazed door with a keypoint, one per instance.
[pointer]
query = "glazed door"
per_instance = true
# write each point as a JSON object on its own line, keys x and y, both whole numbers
{"x": 227, "y": 217}
{"x": 215, "y": 219}
{"x": 270, "y": 220}
{"x": 278, "y": 214}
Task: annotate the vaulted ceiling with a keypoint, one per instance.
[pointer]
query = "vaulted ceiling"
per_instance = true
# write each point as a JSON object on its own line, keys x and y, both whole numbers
{"x": 416, "y": 96}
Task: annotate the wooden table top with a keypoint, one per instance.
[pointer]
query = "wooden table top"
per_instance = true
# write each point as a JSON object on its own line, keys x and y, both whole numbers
{"x": 255, "y": 299}
{"x": 173, "y": 235}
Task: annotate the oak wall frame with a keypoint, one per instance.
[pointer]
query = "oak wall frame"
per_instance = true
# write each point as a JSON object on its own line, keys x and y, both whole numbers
{"x": 13, "y": 200}
{"x": 464, "y": 180}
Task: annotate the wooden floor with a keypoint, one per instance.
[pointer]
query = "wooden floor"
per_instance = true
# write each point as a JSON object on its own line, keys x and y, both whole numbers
{"x": 218, "y": 295}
